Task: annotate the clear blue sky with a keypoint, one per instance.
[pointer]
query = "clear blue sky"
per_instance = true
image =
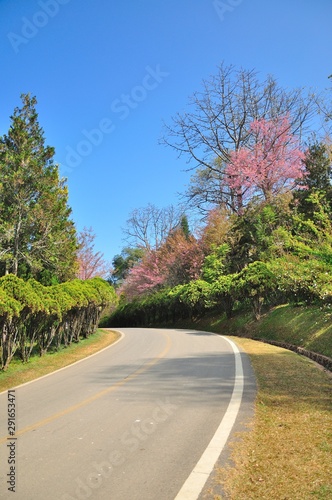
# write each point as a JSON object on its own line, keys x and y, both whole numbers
{"x": 80, "y": 58}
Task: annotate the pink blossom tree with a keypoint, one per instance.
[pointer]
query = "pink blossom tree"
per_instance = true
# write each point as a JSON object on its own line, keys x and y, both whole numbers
{"x": 272, "y": 165}
{"x": 179, "y": 260}
{"x": 90, "y": 262}
{"x": 146, "y": 276}
{"x": 183, "y": 257}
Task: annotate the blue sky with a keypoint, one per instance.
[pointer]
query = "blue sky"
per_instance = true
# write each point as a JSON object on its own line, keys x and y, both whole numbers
{"x": 107, "y": 73}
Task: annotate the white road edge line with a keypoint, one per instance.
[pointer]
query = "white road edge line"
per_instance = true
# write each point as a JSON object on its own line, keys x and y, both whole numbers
{"x": 122, "y": 335}
{"x": 193, "y": 486}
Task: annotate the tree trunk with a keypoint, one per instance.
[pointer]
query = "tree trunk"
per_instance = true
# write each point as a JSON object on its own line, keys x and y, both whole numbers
{"x": 257, "y": 303}
{"x": 16, "y": 245}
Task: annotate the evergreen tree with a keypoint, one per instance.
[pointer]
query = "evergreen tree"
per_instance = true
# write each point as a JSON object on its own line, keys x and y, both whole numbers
{"x": 37, "y": 237}
{"x": 318, "y": 166}
{"x": 124, "y": 262}
{"x": 184, "y": 225}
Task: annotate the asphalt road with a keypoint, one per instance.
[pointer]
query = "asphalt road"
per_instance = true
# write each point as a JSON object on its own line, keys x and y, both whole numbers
{"x": 130, "y": 422}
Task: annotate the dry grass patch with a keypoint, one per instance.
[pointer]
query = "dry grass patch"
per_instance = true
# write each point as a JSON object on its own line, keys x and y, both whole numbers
{"x": 19, "y": 373}
{"x": 288, "y": 452}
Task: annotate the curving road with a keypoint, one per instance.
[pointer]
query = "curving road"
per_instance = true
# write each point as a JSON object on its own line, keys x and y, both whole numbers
{"x": 144, "y": 419}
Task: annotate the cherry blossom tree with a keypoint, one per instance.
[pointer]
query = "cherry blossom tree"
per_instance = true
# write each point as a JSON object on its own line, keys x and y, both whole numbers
{"x": 273, "y": 164}
{"x": 91, "y": 263}
{"x": 146, "y": 276}
{"x": 179, "y": 260}
{"x": 183, "y": 256}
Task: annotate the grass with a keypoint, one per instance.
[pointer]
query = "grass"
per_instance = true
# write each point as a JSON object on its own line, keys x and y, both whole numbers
{"x": 288, "y": 452}
{"x": 306, "y": 326}
{"x": 19, "y": 373}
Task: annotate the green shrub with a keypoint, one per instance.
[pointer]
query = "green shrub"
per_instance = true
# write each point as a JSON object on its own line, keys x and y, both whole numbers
{"x": 34, "y": 315}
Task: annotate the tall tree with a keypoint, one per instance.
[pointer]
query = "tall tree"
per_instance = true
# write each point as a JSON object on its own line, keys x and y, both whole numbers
{"x": 91, "y": 263}
{"x": 184, "y": 226}
{"x": 37, "y": 237}
{"x": 318, "y": 166}
{"x": 218, "y": 122}
{"x": 317, "y": 181}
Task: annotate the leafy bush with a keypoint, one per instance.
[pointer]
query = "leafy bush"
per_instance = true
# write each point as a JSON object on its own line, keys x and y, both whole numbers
{"x": 255, "y": 282}
{"x": 34, "y": 315}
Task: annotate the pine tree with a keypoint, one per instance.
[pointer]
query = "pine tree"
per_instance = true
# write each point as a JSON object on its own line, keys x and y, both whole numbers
{"x": 184, "y": 225}
{"x": 318, "y": 180}
{"x": 37, "y": 237}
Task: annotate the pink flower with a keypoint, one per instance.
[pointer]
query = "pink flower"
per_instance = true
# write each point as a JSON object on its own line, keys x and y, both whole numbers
{"x": 274, "y": 162}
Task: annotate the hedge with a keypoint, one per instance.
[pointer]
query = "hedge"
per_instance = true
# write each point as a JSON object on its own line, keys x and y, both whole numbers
{"x": 33, "y": 315}
{"x": 286, "y": 279}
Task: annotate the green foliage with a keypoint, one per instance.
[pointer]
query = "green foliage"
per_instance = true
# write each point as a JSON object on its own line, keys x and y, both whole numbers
{"x": 22, "y": 292}
{"x": 184, "y": 225}
{"x": 255, "y": 282}
{"x": 106, "y": 293}
{"x": 256, "y": 231}
{"x": 9, "y": 307}
{"x": 36, "y": 316}
{"x": 214, "y": 263}
{"x": 196, "y": 295}
{"x": 255, "y": 279}
{"x": 124, "y": 262}
{"x": 223, "y": 293}
{"x": 50, "y": 304}
{"x": 302, "y": 280}
{"x": 318, "y": 180}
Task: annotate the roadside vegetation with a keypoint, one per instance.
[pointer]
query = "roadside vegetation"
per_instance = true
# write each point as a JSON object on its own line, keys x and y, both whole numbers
{"x": 264, "y": 249}
{"x": 19, "y": 373}
{"x": 306, "y": 326}
{"x": 39, "y": 318}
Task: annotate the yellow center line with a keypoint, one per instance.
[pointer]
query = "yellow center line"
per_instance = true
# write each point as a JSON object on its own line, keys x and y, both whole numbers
{"x": 96, "y": 396}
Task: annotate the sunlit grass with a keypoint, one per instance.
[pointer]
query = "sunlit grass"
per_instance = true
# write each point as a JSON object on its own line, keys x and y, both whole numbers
{"x": 287, "y": 453}
{"x": 19, "y": 373}
{"x": 306, "y": 326}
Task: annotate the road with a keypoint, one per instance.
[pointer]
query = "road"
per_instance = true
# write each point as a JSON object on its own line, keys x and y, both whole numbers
{"x": 131, "y": 422}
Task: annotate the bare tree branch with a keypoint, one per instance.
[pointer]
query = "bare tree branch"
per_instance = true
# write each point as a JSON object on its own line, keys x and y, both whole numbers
{"x": 148, "y": 227}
